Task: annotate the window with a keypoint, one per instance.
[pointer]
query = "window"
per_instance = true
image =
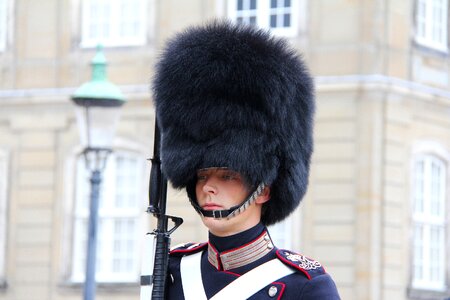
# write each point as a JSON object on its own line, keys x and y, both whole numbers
{"x": 278, "y": 15}
{"x": 3, "y": 23}
{"x": 119, "y": 221}
{"x": 281, "y": 233}
{"x": 113, "y": 22}
{"x": 431, "y": 22}
{"x": 429, "y": 215}
{"x": 3, "y": 215}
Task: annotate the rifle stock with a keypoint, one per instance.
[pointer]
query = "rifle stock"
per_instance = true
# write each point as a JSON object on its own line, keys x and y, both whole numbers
{"x": 156, "y": 256}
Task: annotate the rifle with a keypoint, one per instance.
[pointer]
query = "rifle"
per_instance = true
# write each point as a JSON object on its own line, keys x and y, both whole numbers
{"x": 155, "y": 262}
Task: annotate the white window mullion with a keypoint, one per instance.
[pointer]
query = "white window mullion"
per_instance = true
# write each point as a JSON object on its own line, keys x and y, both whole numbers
{"x": 429, "y": 258}
{"x": 3, "y": 23}
{"x": 243, "y": 11}
{"x": 441, "y": 260}
{"x": 259, "y": 12}
{"x": 3, "y": 215}
{"x": 421, "y": 19}
{"x": 110, "y": 219}
{"x": 81, "y": 208}
{"x": 106, "y": 273}
{"x": 418, "y": 252}
{"x": 127, "y": 210}
{"x": 122, "y": 14}
{"x": 277, "y": 13}
{"x": 442, "y": 257}
{"x": 130, "y": 12}
{"x": 419, "y": 188}
{"x": 108, "y": 192}
{"x": 439, "y": 18}
{"x": 101, "y": 249}
{"x": 442, "y": 194}
{"x": 119, "y": 219}
{"x": 437, "y": 257}
{"x": 429, "y": 20}
{"x": 115, "y": 19}
{"x": 263, "y": 14}
{"x": 436, "y": 20}
{"x": 281, "y": 233}
{"x": 79, "y": 248}
{"x": 106, "y": 21}
{"x": 431, "y": 23}
{"x": 426, "y": 252}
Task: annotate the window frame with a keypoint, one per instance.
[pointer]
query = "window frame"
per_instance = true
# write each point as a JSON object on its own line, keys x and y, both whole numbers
{"x": 115, "y": 40}
{"x": 423, "y": 219}
{"x": 426, "y": 25}
{"x": 4, "y": 169}
{"x": 5, "y": 23}
{"x": 77, "y": 271}
{"x": 262, "y": 14}
{"x": 281, "y": 233}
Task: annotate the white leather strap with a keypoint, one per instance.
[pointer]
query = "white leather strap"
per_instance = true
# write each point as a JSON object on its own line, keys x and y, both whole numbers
{"x": 191, "y": 277}
{"x": 254, "y": 280}
{"x": 242, "y": 287}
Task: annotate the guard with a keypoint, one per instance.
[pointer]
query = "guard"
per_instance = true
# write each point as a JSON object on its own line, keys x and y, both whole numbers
{"x": 235, "y": 106}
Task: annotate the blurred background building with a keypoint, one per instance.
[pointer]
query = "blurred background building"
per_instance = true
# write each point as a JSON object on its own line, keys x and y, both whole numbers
{"x": 377, "y": 210}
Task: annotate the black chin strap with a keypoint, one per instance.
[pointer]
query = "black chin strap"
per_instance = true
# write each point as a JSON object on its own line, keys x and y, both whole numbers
{"x": 233, "y": 211}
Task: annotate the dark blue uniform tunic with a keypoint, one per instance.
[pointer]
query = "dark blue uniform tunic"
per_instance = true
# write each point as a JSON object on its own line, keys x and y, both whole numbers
{"x": 309, "y": 281}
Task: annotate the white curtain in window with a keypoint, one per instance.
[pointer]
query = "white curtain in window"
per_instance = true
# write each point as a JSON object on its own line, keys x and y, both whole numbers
{"x": 281, "y": 233}
{"x": 3, "y": 23}
{"x": 113, "y": 22}
{"x": 119, "y": 226}
{"x": 280, "y": 16}
{"x": 429, "y": 215}
{"x": 3, "y": 198}
{"x": 431, "y": 23}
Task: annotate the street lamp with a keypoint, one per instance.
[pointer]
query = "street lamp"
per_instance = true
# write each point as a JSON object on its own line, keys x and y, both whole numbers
{"x": 98, "y": 105}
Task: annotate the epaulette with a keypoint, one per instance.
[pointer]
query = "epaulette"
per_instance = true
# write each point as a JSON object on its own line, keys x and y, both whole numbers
{"x": 187, "y": 248}
{"x": 311, "y": 268}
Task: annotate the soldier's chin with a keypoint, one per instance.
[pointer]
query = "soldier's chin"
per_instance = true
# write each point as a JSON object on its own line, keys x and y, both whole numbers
{"x": 217, "y": 226}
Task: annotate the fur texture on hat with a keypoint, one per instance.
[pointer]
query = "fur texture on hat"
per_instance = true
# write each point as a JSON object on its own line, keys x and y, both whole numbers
{"x": 234, "y": 96}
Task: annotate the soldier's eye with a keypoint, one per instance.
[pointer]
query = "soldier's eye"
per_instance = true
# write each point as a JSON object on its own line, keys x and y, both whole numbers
{"x": 230, "y": 176}
{"x": 201, "y": 177}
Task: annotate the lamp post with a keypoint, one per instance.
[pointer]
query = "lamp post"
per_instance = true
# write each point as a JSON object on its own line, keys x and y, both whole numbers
{"x": 98, "y": 105}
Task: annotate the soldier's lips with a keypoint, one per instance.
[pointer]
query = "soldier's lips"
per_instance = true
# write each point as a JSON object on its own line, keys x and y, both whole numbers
{"x": 212, "y": 206}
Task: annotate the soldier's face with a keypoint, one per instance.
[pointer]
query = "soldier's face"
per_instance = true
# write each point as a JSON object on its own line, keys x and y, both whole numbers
{"x": 221, "y": 189}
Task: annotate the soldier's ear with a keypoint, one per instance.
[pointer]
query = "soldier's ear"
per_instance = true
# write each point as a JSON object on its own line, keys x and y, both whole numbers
{"x": 264, "y": 196}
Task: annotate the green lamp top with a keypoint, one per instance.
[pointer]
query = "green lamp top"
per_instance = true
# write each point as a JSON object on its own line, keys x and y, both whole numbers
{"x": 99, "y": 91}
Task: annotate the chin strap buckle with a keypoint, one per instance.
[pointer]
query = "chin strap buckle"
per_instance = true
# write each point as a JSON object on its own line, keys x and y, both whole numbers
{"x": 217, "y": 214}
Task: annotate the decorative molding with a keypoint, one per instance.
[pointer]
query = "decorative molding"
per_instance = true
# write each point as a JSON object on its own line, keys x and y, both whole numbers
{"x": 52, "y": 95}
{"x": 379, "y": 81}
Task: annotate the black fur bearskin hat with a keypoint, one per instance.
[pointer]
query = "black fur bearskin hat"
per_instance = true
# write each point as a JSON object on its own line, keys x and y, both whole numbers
{"x": 233, "y": 96}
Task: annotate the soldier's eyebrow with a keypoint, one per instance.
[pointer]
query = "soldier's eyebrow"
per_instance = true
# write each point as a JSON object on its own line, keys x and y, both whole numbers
{"x": 202, "y": 172}
{"x": 231, "y": 172}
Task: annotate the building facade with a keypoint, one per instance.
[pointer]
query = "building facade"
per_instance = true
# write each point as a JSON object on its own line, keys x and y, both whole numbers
{"x": 377, "y": 210}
